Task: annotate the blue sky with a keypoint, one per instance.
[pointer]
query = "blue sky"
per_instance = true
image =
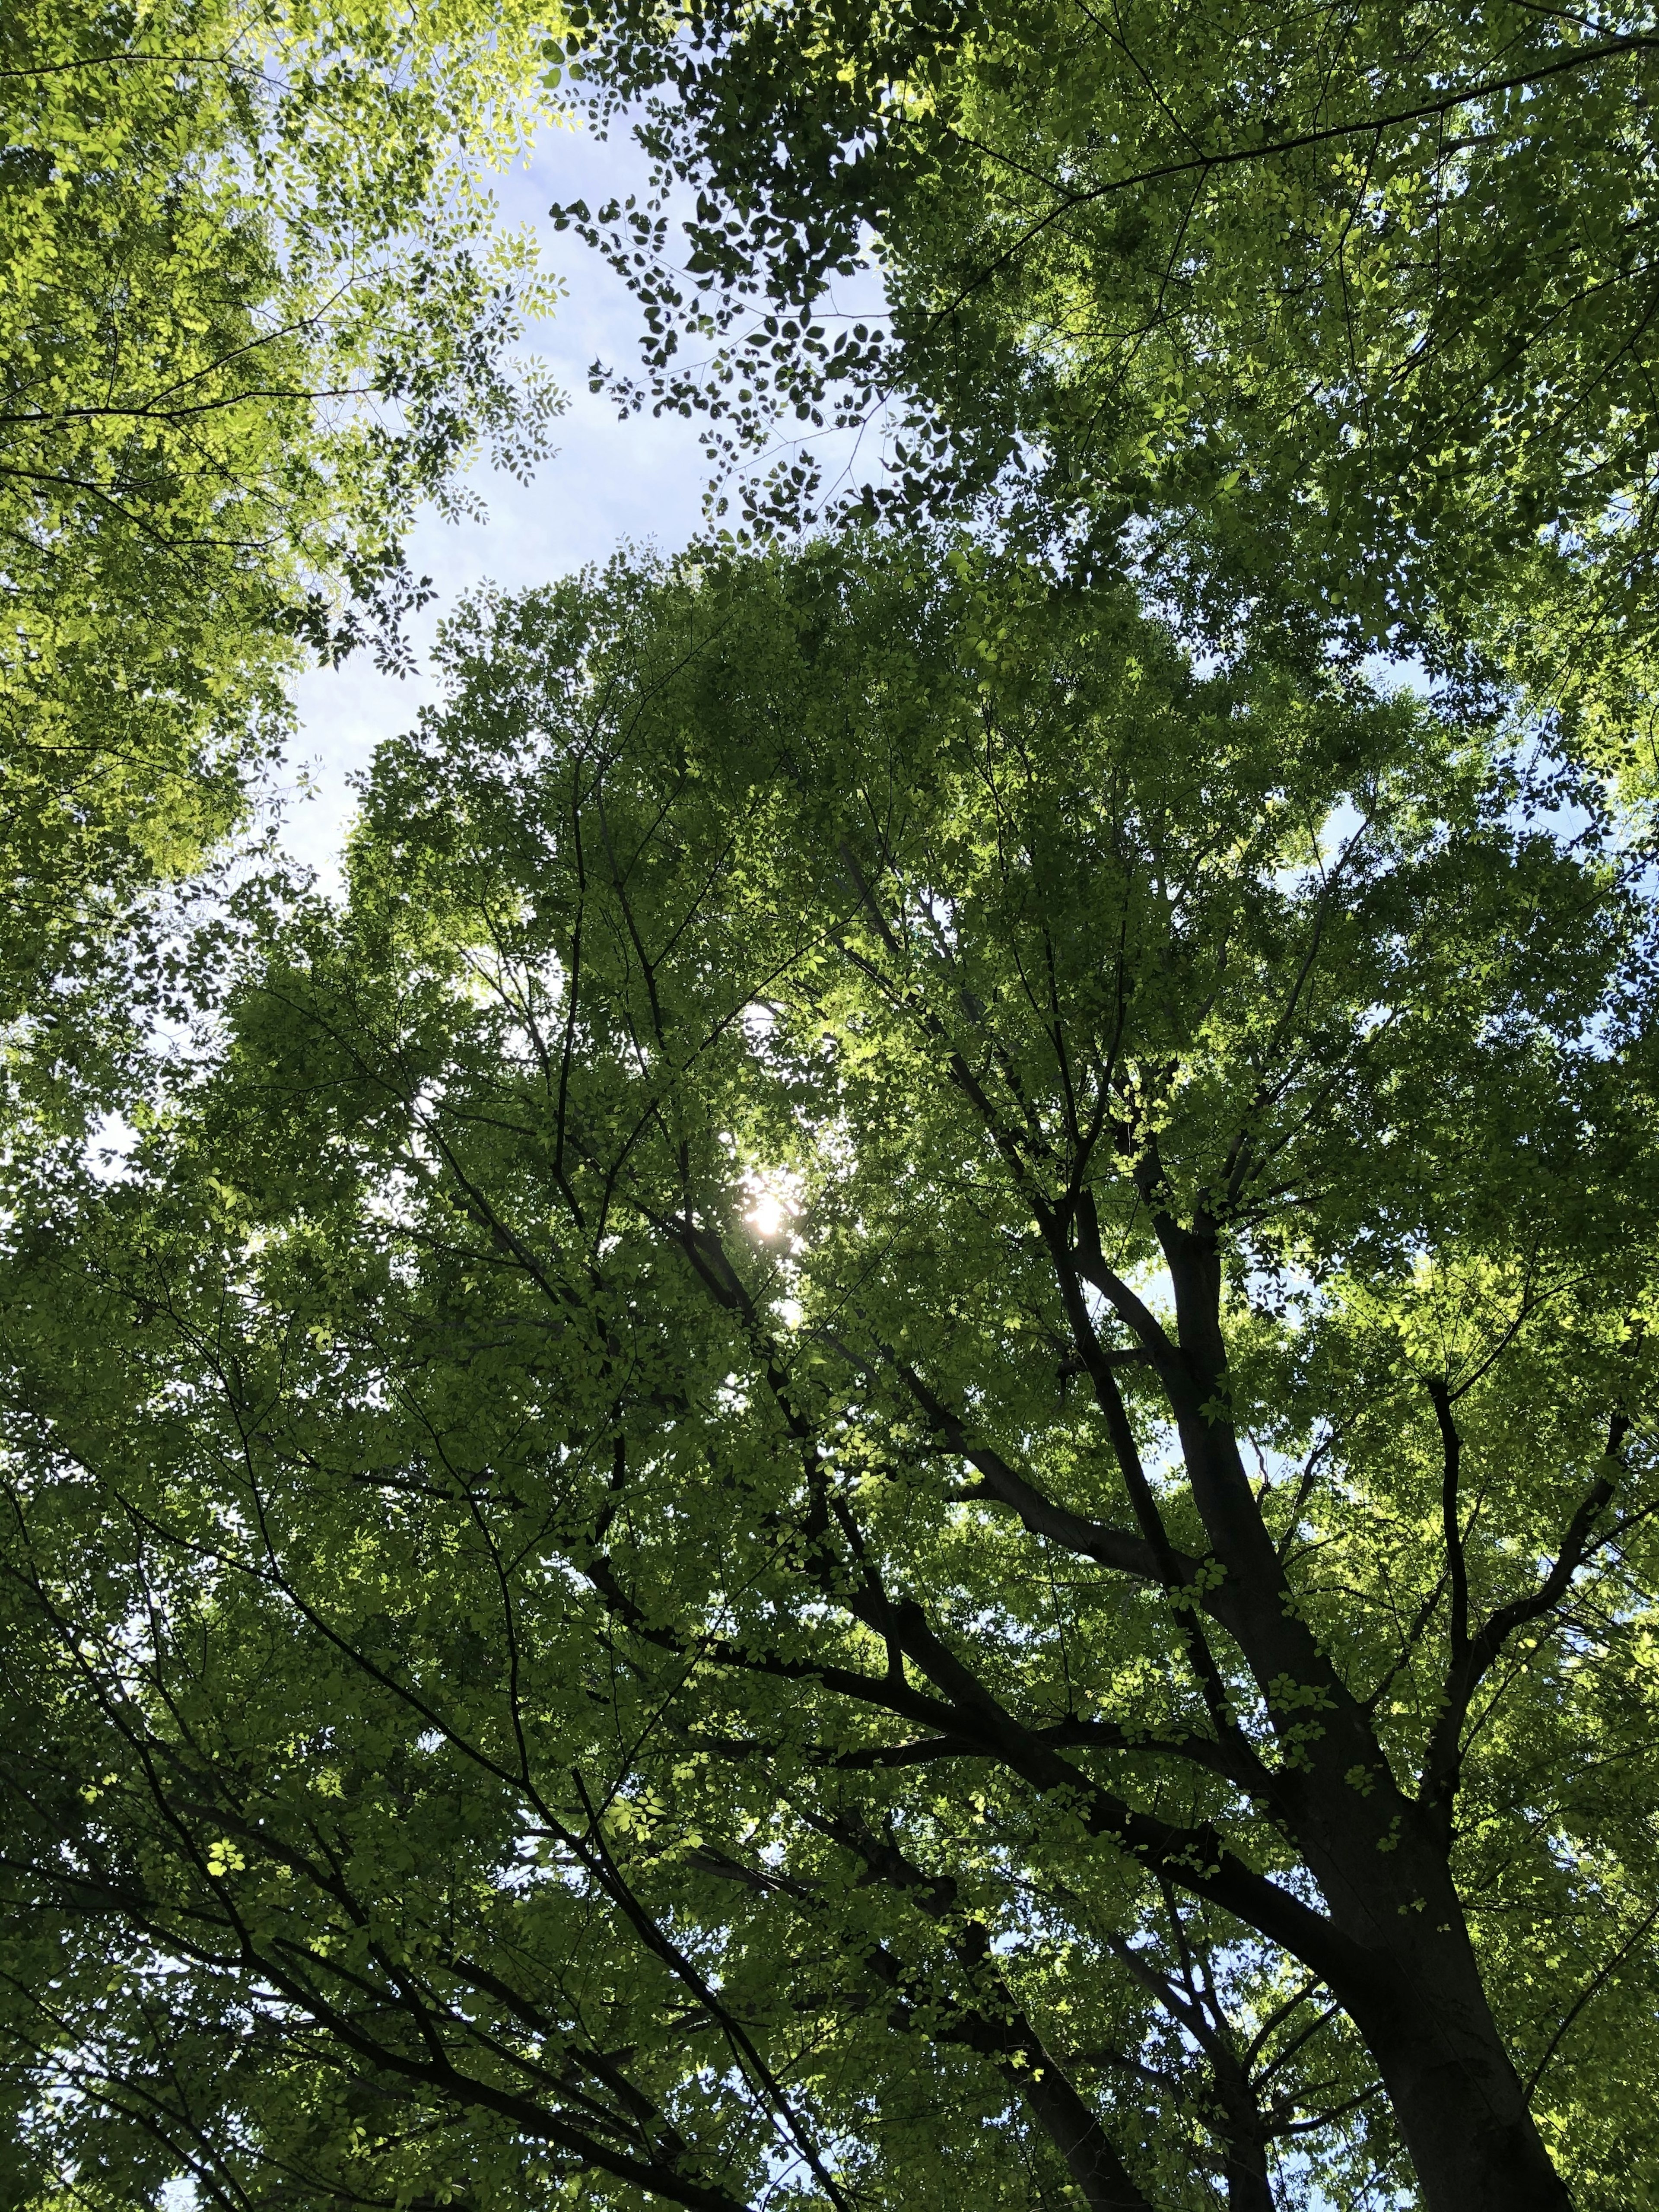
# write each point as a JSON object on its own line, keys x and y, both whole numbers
{"x": 610, "y": 480}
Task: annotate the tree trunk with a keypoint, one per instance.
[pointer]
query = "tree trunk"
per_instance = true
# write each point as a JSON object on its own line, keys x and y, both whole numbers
{"x": 1249, "y": 2189}
{"x": 1381, "y": 1863}
{"x": 1240, "y": 2124}
{"x": 1456, "y": 2095}
{"x": 1460, "y": 2109}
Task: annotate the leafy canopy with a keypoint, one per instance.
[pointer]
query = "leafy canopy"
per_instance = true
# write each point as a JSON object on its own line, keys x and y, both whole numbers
{"x": 887, "y": 1442}
{"x": 252, "y": 308}
{"x": 1345, "y": 310}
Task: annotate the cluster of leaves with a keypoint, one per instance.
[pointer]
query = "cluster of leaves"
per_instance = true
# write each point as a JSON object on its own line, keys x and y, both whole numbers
{"x": 888, "y": 1442}
{"x": 252, "y": 308}
{"x": 1343, "y": 308}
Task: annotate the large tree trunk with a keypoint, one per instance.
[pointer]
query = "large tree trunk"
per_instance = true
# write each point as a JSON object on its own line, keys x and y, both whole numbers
{"x": 1466, "y": 2123}
{"x": 1381, "y": 1861}
{"x": 1456, "y": 2097}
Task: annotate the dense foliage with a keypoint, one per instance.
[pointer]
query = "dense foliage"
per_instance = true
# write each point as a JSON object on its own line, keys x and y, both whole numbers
{"x": 886, "y": 1438}
{"x": 886, "y": 1441}
{"x": 251, "y": 310}
{"x": 1347, "y": 309}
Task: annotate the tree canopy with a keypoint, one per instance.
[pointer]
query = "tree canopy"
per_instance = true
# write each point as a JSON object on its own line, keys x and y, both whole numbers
{"x": 886, "y": 1441}
{"x": 1349, "y": 309}
{"x": 253, "y": 309}
{"x": 883, "y": 1438}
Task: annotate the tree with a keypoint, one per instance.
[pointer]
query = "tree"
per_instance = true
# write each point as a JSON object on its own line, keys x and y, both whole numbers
{"x": 1345, "y": 309}
{"x": 887, "y": 1442}
{"x": 252, "y": 312}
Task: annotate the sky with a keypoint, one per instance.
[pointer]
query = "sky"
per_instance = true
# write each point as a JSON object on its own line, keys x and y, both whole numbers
{"x": 609, "y": 480}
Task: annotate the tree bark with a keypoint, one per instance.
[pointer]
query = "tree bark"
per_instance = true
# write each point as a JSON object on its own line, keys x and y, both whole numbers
{"x": 1091, "y": 2159}
{"x": 1249, "y": 2189}
{"x": 1456, "y": 2095}
{"x": 1381, "y": 1860}
{"x": 1240, "y": 2125}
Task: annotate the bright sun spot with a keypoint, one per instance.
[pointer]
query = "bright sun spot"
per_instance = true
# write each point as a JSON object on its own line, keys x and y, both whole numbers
{"x": 774, "y": 1197}
{"x": 768, "y": 1215}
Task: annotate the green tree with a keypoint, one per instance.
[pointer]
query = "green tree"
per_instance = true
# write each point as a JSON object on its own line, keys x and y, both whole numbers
{"x": 252, "y": 309}
{"x": 887, "y": 1443}
{"x": 1345, "y": 308}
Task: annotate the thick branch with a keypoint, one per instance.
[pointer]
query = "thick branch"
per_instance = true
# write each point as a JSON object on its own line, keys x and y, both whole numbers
{"x": 1000, "y": 2030}
{"x": 1093, "y": 1539}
